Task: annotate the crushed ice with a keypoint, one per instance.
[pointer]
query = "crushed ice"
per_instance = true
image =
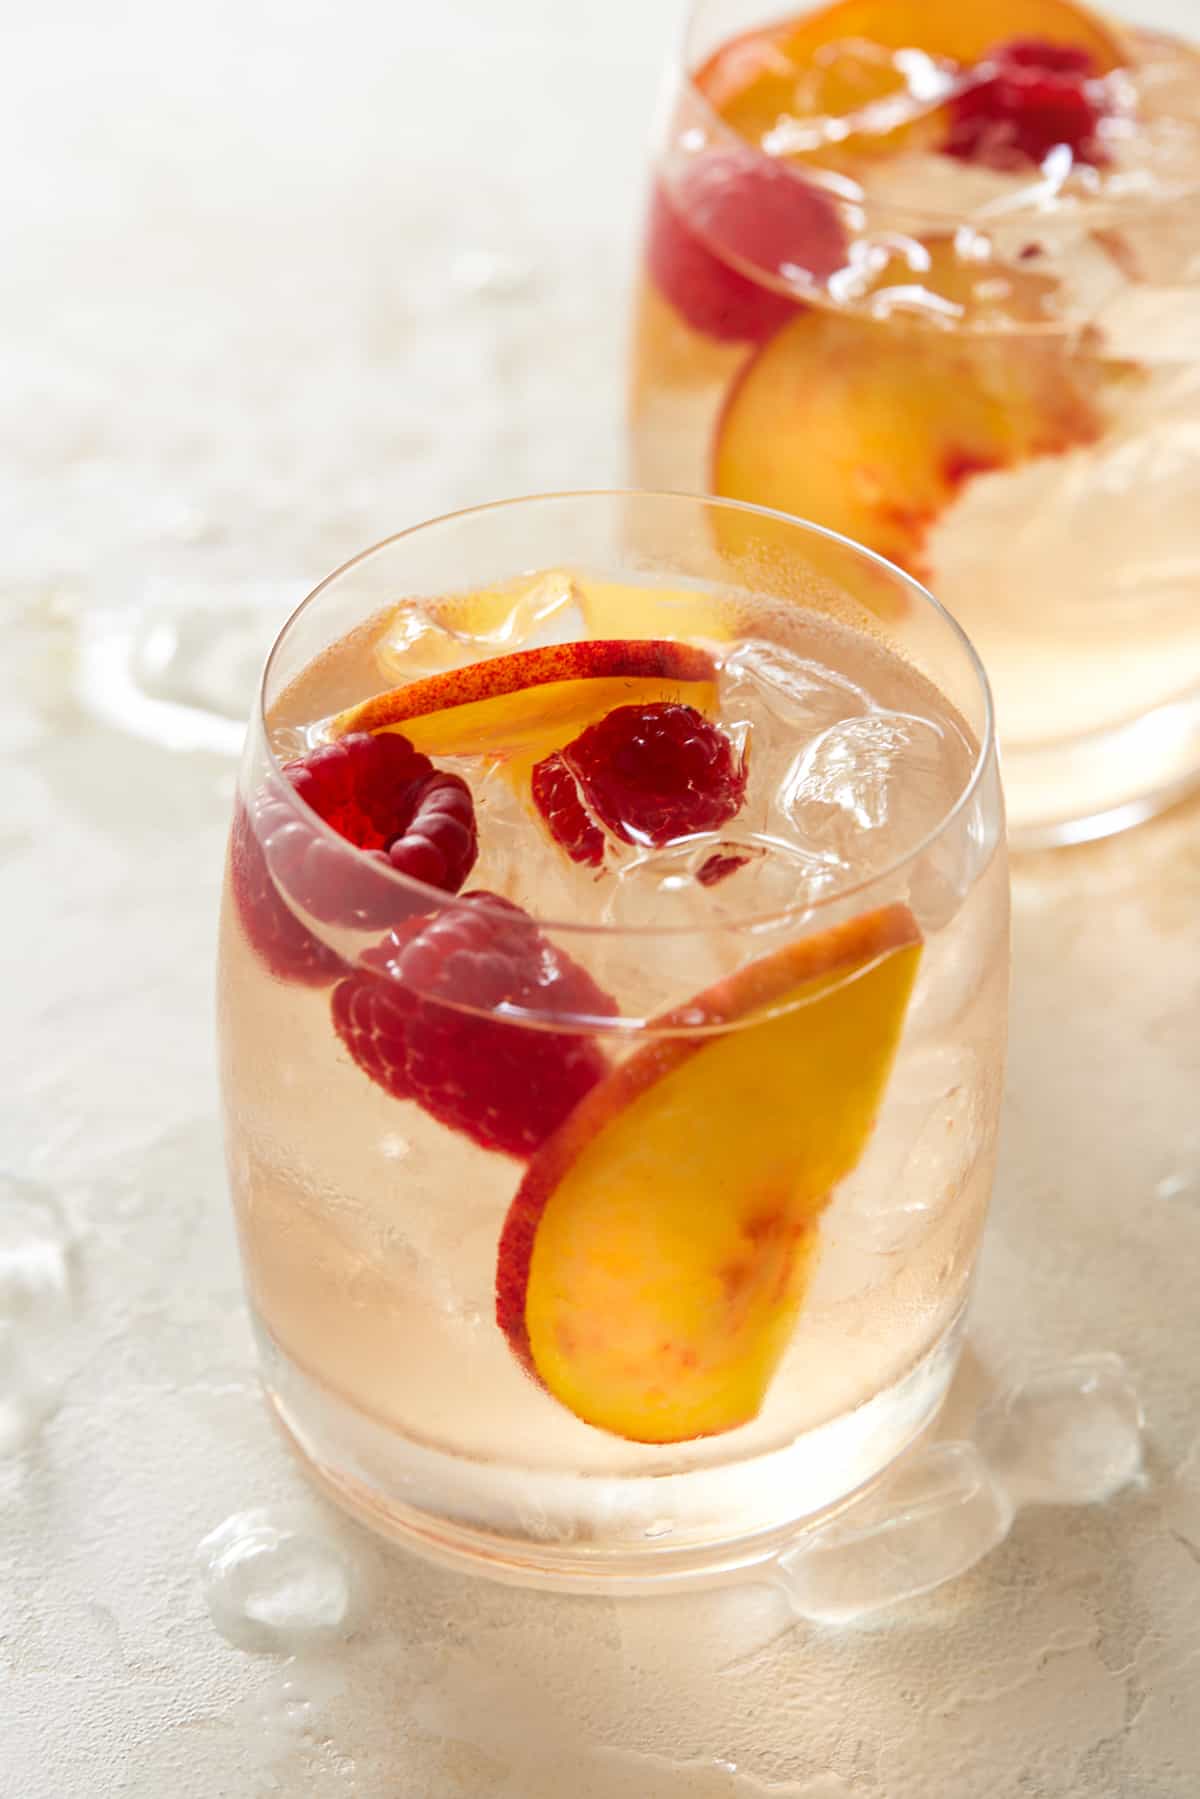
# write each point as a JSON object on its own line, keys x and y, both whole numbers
{"x": 1067, "y": 1435}
{"x": 272, "y": 1586}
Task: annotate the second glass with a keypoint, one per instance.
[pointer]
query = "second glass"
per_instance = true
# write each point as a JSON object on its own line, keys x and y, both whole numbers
{"x": 930, "y": 275}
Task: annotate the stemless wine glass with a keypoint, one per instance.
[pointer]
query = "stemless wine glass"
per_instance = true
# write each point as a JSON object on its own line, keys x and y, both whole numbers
{"x": 613, "y": 987}
{"x": 929, "y": 274}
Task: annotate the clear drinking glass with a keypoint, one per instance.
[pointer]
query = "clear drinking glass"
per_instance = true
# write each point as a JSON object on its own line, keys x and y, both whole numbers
{"x": 606, "y": 1217}
{"x": 928, "y": 273}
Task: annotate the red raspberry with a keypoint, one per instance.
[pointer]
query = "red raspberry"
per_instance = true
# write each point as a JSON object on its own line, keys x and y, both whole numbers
{"x": 556, "y": 796}
{"x": 1030, "y": 97}
{"x": 287, "y": 947}
{"x": 504, "y": 1085}
{"x": 388, "y": 800}
{"x": 380, "y": 795}
{"x": 652, "y": 774}
{"x": 730, "y": 208}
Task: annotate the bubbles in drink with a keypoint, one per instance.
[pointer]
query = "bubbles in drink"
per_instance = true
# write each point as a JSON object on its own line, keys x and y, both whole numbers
{"x": 1070, "y": 1435}
{"x": 938, "y": 1515}
{"x": 272, "y": 1587}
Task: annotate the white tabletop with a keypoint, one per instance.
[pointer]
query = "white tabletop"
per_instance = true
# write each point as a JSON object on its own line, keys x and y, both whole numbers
{"x": 277, "y": 280}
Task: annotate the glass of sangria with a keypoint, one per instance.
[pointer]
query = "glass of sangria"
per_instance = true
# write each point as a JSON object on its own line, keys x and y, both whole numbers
{"x": 613, "y": 986}
{"x": 928, "y": 272}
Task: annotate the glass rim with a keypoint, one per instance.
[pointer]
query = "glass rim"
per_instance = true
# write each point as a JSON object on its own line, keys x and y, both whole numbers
{"x": 810, "y": 909}
{"x": 682, "y": 67}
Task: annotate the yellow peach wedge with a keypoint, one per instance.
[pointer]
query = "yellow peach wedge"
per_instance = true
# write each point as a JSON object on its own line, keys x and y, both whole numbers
{"x": 527, "y": 704}
{"x": 872, "y": 427}
{"x": 658, "y": 1250}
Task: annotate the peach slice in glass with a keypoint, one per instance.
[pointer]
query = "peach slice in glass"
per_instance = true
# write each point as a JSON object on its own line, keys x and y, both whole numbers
{"x": 531, "y": 702}
{"x": 657, "y": 1252}
{"x": 872, "y": 426}
{"x": 793, "y": 71}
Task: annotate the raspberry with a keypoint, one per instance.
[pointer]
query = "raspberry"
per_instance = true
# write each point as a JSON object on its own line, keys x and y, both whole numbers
{"x": 1030, "y": 97}
{"x": 556, "y": 796}
{"x": 650, "y": 773}
{"x": 758, "y": 212}
{"x": 384, "y": 798}
{"x": 504, "y": 1085}
{"x": 287, "y": 947}
{"x": 388, "y": 800}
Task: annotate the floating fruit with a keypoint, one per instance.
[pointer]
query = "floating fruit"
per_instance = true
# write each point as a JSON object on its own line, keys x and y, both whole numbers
{"x": 872, "y": 427}
{"x": 648, "y": 774}
{"x": 418, "y": 1016}
{"x": 839, "y": 63}
{"x": 531, "y": 701}
{"x": 730, "y": 217}
{"x": 656, "y": 1254}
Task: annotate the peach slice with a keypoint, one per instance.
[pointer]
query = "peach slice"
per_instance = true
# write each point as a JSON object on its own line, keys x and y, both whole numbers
{"x": 532, "y": 701}
{"x": 872, "y": 427}
{"x": 793, "y": 71}
{"x": 656, "y": 1254}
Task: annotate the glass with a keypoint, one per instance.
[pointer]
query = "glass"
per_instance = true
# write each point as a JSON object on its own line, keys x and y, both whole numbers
{"x": 879, "y": 292}
{"x": 571, "y": 1250}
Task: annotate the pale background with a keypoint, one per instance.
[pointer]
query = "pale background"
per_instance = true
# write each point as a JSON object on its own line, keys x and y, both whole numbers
{"x": 278, "y": 279}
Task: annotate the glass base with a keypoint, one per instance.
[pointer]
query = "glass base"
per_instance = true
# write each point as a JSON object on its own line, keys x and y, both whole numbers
{"x": 1093, "y": 786}
{"x": 576, "y": 1533}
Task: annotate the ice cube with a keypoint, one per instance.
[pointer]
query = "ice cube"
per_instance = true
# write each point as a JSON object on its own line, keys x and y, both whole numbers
{"x": 1069, "y": 1435}
{"x": 923, "y": 1149}
{"x": 35, "y": 1309}
{"x": 798, "y": 692}
{"x": 710, "y": 880}
{"x": 271, "y": 1586}
{"x": 934, "y": 1517}
{"x": 421, "y": 640}
{"x": 29, "y": 1394}
{"x": 885, "y": 776}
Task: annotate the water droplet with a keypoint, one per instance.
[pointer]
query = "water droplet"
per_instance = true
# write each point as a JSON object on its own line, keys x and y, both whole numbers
{"x": 272, "y": 1587}
{"x": 1184, "y": 1184}
{"x": 934, "y": 1517}
{"x": 1069, "y": 1435}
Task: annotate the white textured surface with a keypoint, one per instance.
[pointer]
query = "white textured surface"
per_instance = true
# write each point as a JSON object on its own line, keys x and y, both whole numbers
{"x": 279, "y": 279}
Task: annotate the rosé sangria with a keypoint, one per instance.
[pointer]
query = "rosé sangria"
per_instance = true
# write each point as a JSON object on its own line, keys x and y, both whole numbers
{"x": 613, "y": 985}
{"x": 928, "y": 272}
